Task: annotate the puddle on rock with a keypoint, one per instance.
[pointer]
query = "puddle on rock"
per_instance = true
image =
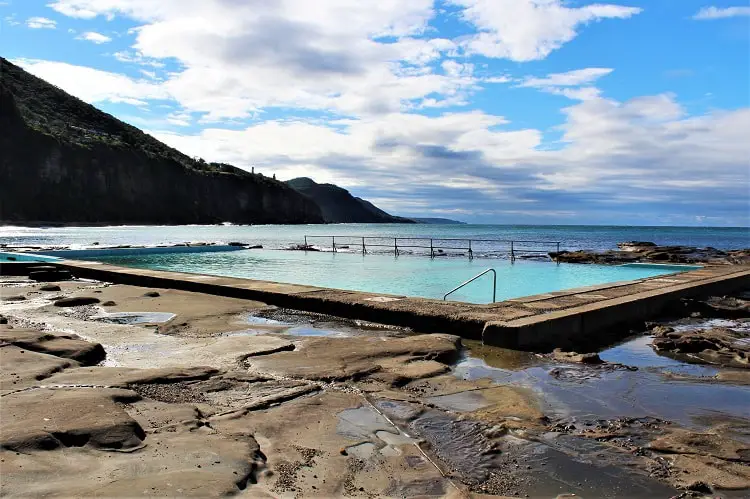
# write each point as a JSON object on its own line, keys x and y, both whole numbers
{"x": 375, "y": 433}
{"x": 459, "y": 444}
{"x": 313, "y": 331}
{"x": 402, "y": 411}
{"x": 586, "y": 392}
{"x": 467, "y": 401}
{"x": 299, "y": 323}
{"x": 134, "y": 317}
{"x": 574, "y": 466}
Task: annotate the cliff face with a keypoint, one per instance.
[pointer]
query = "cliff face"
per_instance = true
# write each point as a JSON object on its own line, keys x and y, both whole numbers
{"x": 64, "y": 161}
{"x": 339, "y": 206}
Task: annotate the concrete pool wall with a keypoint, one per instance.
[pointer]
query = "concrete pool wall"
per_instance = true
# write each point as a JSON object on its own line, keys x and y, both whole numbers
{"x": 569, "y": 319}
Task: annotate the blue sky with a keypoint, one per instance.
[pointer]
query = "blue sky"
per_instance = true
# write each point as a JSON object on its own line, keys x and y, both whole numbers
{"x": 504, "y": 111}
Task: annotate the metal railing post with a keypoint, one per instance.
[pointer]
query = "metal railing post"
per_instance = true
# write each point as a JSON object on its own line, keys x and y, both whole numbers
{"x": 333, "y": 241}
{"x": 364, "y": 249}
{"x": 557, "y": 256}
{"x": 305, "y": 244}
{"x": 395, "y": 246}
{"x": 494, "y": 284}
{"x": 512, "y": 253}
{"x": 432, "y": 250}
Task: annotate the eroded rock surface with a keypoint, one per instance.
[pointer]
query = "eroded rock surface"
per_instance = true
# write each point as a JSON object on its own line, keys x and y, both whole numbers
{"x": 338, "y": 359}
{"x": 66, "y": 346}
{"x": 643, "y": 251}
{"x": 717, "y": 345}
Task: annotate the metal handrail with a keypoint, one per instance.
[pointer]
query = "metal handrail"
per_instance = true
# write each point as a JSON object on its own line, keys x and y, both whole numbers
{"x": 494, "y": 284}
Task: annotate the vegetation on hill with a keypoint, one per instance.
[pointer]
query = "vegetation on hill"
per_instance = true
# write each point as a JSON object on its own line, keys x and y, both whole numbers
{"x": 65, "y": 161}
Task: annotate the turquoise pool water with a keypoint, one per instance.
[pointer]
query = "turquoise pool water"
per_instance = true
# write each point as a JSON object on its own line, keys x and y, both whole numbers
{"x": 403, "y": 275}
{"x": 9, "y": 256}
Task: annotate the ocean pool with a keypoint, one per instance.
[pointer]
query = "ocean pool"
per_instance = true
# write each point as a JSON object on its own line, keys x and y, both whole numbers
{"x": 403, "y": 275}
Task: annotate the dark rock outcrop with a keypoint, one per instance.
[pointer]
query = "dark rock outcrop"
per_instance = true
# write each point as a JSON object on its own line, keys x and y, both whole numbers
{"x": 64, "y": 161}
{"x": 641, "y": 251}
{"x": 717, "y": 345}
{"x": 339, "y": 206}
{"x": 66, "y": 346}
{"x": 76, "y": 301}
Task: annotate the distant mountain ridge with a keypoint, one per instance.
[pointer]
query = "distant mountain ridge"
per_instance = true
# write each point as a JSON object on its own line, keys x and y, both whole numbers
{"x": 339, "y": 206}
{"x": 438, "y": 221}
{"x": 65, "y": 162}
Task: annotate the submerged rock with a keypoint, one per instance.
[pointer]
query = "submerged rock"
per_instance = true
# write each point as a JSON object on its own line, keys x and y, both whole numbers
{"x": 50, "y": 287}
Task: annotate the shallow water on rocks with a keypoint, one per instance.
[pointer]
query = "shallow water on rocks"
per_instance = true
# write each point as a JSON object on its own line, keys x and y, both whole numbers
{"x": 309, "y": 324}
{"x": 134, "y": 317}
{"x": 661, "y": 387}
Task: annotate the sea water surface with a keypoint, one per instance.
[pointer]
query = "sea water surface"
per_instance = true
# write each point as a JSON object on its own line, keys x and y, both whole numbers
{"x": 571, "y": 237}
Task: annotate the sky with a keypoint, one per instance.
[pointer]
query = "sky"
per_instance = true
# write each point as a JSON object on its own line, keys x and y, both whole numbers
{"x": 486, "y": 111}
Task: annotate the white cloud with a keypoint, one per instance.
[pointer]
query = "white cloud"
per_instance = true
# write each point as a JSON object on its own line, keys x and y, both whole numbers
{"x": 641, "y": 149}
{"x": 93, "y": 36}
{"x": 73, "y": 9}
{"x": 241, "y": 57}
{"x": 574, "y": 84}
{"x": 527, "y": 30}
{"x": 41, "y": 23}
{"x": 569, "y": 79}
{"x": 93, "y": 85}
{"x": 707, "y": 13}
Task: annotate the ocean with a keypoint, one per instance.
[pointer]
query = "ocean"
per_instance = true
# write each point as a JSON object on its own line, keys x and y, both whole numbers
{"x": 571, "y": 237}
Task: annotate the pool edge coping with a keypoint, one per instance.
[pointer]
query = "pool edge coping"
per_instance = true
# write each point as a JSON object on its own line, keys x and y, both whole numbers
{"x": 536, "y": 322}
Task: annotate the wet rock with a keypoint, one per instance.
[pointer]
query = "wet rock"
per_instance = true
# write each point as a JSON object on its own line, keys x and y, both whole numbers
{"x": 642, "y": 251}
{"x": 66, "y": 346}
{"x": 578, "y": 358}
{"x": 50, "y": 287}
{"x": 3, "y": 319}
{"x": 152, "y": 294}
{"x": 109, "y": 303}
{"x": 718, "y": 345}
{"x": 636, "y": 246}
{"x": 76, "y": 301}
{"x": 14, "y": 298}
{"x": 708, "y": 444}
{"x": 721, "y": 307}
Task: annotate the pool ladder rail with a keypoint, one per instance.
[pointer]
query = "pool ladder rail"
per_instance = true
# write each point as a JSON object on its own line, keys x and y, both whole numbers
{"x": 494, "y": 284}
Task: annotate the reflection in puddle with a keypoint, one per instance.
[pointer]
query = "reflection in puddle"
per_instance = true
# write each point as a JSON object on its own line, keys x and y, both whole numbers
{"x": 582, "y": 392}
{"x": 376, "y": 434}
{"x": 460, "y": 402}
{"x": 313, "y": 331}
{"x": 134, "y": 317}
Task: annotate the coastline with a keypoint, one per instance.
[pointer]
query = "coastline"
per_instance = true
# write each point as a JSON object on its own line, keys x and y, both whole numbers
{"x": 231, "y": 395}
